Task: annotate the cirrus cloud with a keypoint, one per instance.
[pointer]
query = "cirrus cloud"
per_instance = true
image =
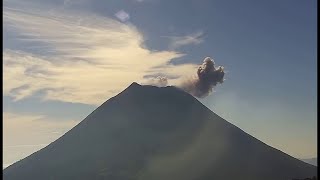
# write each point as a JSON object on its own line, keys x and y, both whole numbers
{"x": 86, "y": 62}
{"x": 190, "y": 39}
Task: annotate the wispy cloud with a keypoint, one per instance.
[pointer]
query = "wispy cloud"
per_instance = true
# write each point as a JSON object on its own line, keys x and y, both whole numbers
{"x": 191, "y": 39}
{"x": 84, "y": 62}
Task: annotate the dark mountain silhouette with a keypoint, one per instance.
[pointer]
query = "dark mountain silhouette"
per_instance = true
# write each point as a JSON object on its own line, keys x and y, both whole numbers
{"x": 151, "y": 133}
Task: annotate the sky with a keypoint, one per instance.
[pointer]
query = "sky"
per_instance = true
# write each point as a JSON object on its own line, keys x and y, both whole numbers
{"x": 63, "y": 58}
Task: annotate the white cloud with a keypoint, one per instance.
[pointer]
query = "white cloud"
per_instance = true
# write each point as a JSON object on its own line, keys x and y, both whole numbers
{"x": 23, "y": 134}
{"x": 122, "y": 15}
{"x": 191, "y": 39}
{"x": 86, "y": 62}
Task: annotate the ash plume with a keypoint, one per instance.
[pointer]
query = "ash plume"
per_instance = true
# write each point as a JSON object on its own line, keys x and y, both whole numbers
{"x": 208, "y": 76}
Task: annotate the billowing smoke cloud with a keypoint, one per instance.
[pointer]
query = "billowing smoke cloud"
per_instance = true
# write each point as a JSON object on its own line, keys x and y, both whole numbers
{"x": 159, "y": 81}
{"x": 208, "y": 76}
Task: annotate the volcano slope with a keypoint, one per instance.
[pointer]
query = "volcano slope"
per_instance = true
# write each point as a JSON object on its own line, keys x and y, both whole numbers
{"x": 152, "y": 133}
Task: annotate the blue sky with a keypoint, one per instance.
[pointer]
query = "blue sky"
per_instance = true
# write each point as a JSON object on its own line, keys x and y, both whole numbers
{"x": 52, "y": 48}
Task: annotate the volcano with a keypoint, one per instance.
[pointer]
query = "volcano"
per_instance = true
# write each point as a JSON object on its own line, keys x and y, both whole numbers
{"x": 153, "y": 133}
